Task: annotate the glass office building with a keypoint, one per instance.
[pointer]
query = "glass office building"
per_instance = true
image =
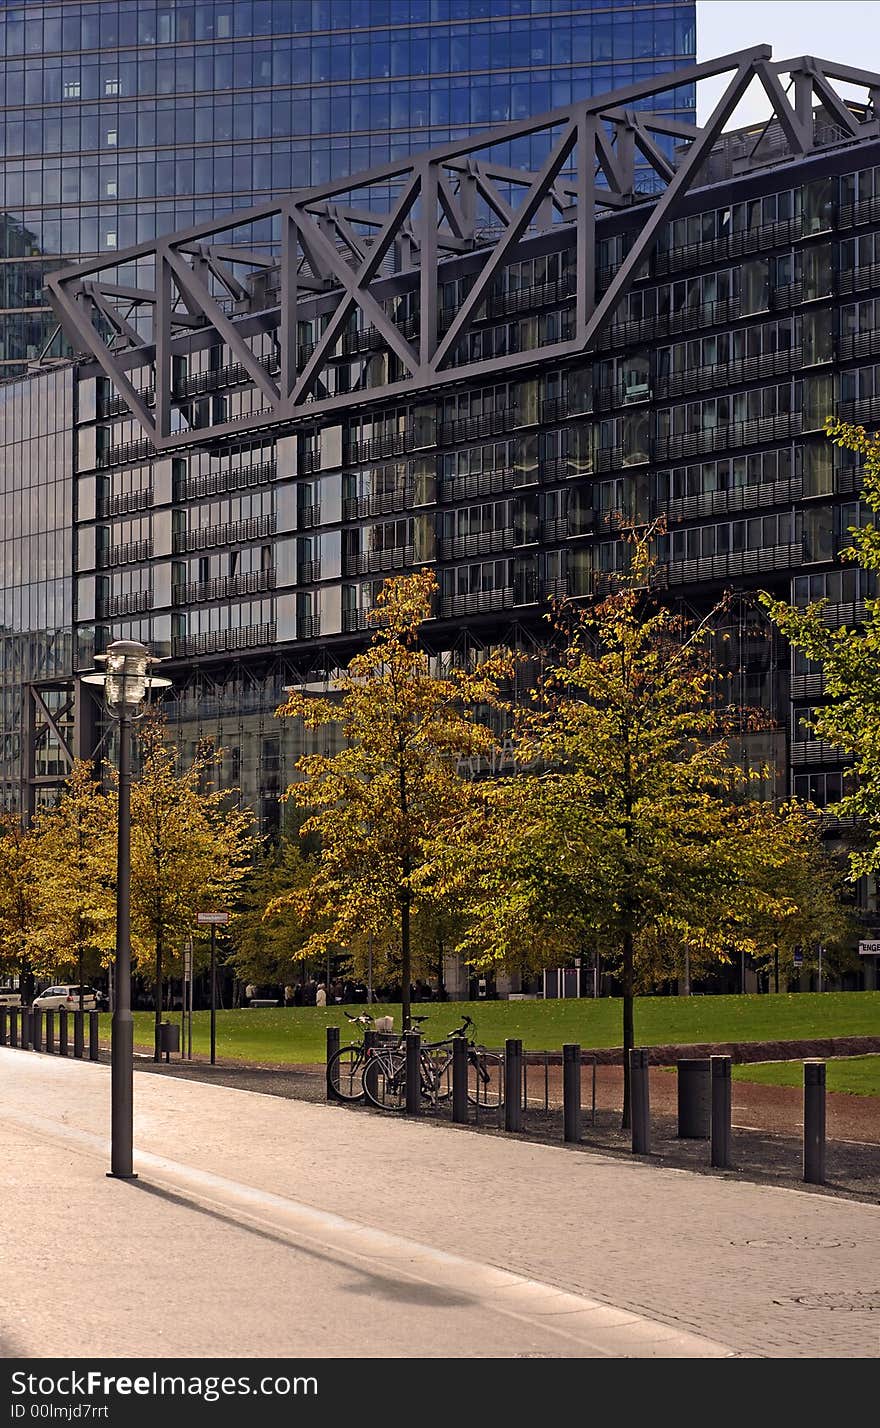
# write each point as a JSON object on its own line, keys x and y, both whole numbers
{"x": 124, "y": 119}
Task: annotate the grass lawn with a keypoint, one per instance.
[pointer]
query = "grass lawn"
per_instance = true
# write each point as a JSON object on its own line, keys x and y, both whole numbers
{"x": 856, "y": 1075}
{"x": 297, "y": 1034}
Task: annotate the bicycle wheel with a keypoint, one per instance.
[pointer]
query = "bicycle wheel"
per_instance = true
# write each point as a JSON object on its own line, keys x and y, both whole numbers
{"x": 345, "y": 1071}
{"x": 385, "y": 1080}
{"x": 484, "y": 1080}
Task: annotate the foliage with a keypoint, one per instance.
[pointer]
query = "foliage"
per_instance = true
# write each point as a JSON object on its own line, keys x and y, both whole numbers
{"x": 850, "y": 662}
{"x": 76, "y": 911}
{"x": 269, "y": 949}
{"x": 190, "y": 848}
{"x": 379, "y": 805}
{"x": 20, "y": 899}
{"x": 629, "y": 827}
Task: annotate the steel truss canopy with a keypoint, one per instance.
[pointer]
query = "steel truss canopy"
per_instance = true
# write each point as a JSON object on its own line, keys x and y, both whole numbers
{"x": 366, "y": 255}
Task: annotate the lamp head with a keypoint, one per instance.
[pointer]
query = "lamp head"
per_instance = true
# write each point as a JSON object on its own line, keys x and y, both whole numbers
{"x": 128, "y": 679}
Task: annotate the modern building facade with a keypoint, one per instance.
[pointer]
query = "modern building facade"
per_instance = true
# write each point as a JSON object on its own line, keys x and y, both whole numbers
{"x": 124, "y": 119}
{"x": 263, "y": 440}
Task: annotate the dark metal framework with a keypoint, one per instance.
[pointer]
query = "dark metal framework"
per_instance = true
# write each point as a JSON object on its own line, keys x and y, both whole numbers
{"x": 332, "y": 251}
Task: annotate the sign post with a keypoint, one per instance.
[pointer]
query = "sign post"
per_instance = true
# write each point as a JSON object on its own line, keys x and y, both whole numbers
{"x": 213, "y": 920}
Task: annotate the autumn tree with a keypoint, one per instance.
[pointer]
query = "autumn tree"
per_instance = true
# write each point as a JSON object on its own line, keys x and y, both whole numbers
{"x": 378, "y": 806}
{"x": 266, "y": 948}
{"x": 20, "y": 885}
{"x": 628, "y": 819}
{"x": 77, "y": 853}
{"x": 190, "y": 848}
{"x": 850, "y": 663}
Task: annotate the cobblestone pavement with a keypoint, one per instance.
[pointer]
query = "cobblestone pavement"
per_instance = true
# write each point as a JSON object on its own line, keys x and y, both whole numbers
{"x": 759, "y": 1269}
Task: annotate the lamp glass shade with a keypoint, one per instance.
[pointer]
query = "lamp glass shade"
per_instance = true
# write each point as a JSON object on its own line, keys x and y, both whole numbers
{"x": 126, "y": 680}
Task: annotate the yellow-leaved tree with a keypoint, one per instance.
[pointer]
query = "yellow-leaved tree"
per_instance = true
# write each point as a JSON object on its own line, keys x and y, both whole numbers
{"x": 629, "y": 825}
{"x": 191, "y": 845}
{"x": 20, "y": 884}
{"x": 380, "y": 807}
{"x": 76, "y": 910}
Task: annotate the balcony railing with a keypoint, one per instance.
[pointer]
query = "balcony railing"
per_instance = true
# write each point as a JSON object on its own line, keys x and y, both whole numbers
{"x": 127, "y": 553}
{"x": 219, "y": 483}
{"x": 729, "y": 374}
{"x": 309, "y": 516}
{"x": 481, "y": 543}
{"x": 477, "y": 602}
{"x": 723, "y": 438}
{"x": 739, "y": 498}
{"x": 372, "y": 561}
{"x": 134, "y": 602}
{"x": 123, "y": 502}
{"x": 126, "y": 451}
{"x": 229, "y": 533}
{"x": 380, "y": 503}
{"x": 217, "y": 641}
{"x": 308, "y": 627}
{"x": 737, "y": 562}
{"x": 308, "y": 571}
{"x": 353, "y": 620}
{"x": 249, "y": 582}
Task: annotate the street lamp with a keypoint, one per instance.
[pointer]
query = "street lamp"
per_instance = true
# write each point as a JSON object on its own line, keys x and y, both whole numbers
{"x": 126, "y": 684}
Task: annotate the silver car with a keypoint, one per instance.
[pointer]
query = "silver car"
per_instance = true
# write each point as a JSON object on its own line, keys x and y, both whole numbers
{"x": 66, "y": 998}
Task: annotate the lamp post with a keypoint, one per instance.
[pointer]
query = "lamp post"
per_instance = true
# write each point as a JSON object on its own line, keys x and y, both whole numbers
{"x": 126, "y": 683}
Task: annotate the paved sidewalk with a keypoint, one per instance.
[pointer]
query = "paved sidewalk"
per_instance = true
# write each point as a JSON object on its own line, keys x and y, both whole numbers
{"x": 290, "y": 1187}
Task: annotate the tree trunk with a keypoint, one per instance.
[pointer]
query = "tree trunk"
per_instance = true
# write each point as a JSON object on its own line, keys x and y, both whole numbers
{"x": 776, "y": 966}
{"x": 405, "y": 960}
{"x": 158, "y": 997}
{"x": 628, "y": 1034}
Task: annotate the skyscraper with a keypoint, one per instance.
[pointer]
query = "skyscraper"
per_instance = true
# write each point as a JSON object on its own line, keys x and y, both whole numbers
{"x": 124, "y": 119}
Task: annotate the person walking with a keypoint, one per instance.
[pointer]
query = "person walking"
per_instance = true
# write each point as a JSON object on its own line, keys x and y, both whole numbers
{"x": 321, "y": 995}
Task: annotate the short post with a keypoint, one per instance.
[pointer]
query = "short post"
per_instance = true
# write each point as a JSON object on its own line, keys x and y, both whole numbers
{"x": 814, "y": 1122}
{"x": 25, "y": 1029}
{"x": 694, "y": 1097}
{"x": 413, "y": 1073}
{"x": 62, "y": 1032}
{"x": 50, "y": 1032}
{"x": 369, "y": 1040}
{"x": 13, "y": 1026}
{"x": 78, "y": 1034}
{"x": 93, "y": 1036}
{"x": 332, "y": 1048}
{"x": 3, "y": 1026}
{"x": 37, "y": 1029}
{"x": 571, "y": 1092}
{"x": 721, "y": 1088}
{"x": 459, "y": 1080}
{"x": 513, "y": 1062}
{"x": 640, "y": 1099}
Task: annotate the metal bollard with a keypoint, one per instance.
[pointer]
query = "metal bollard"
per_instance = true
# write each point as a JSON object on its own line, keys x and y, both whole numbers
{"x": 50, "y": 1032}
{"x": 571, "y": 1092}
{"x": 413, "y": 1073}
{"x": 94, "y": 1040}
{"x": 814, "y": 1122}
{"x": 62, "y": 1032}
{"x": 13, "y": 1026}
{"x": 3, "y": 1026}
{"x": 332, "y": 1048}
{"x": 641, "y": 1101}
{"x": 78, "y": 1039}
{"x": 459, "y": 1080}
{"x": 721, "y": 1088}
{"x": 694, "y": 1098}
{"x": 513, "y": 1063}
{"x": 37, "y": 1029}
{"x": 25, "y": 1029}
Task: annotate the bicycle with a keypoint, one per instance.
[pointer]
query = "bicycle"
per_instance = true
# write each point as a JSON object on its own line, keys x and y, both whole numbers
{"x": 384, "y": 1078}
{"x": 345, "y": 1068}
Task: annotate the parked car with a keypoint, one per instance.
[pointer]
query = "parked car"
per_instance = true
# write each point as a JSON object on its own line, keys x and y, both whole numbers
{"x": 66, "y": 998}
{"x": 10, "y": 997}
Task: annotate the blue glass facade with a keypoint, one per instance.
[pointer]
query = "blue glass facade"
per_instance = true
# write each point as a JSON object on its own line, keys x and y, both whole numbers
{"x": 121, "y": 119}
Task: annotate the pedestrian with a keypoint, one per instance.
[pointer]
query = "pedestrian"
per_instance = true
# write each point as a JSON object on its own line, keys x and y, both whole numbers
{"x": 288, "y": 996}
{"x": 321, "y": 995}
{"x": 309, "y": 991}
{"x": 250, "y": 991}
{"x": 298, "y": 995}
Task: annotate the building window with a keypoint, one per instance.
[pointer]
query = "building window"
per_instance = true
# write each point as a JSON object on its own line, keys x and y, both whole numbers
{"x": 71, "y": 89}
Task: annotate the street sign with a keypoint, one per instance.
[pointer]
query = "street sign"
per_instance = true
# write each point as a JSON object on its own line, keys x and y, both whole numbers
{"x": 212, "y": 919}
{"x": 869, "y": 949}
{"x": 798, "y": 957}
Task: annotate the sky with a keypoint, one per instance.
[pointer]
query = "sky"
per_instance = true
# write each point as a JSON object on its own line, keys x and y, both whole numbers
{"x": 845, "y": 30}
